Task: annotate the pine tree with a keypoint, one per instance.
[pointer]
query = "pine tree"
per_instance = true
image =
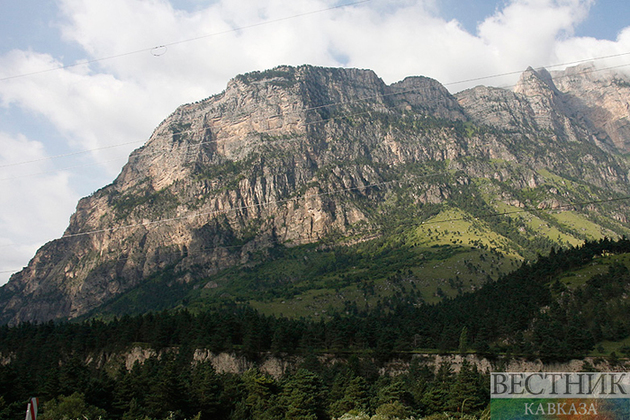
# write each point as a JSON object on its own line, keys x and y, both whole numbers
{"x": 303, "y": 397}
{"x": 466, "y": 395}
{"x": 206, "y": 391}
{"x": 261, "y": 394}
{"x": 356, "y": 397}
{"x": 168, "y": 391}
{"x": 435, "y": 399}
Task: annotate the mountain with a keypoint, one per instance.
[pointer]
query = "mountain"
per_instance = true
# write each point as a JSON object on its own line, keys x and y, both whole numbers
{"x": 299, "y": 189}
{"x": 566, "y": 312}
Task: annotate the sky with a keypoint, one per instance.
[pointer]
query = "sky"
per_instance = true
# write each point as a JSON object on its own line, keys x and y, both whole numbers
{"x": 83, "y": 83}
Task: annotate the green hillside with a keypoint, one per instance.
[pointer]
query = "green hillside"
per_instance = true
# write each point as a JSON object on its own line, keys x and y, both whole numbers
{"x": 570, "y": 304}
{"x": 446, "y": 253}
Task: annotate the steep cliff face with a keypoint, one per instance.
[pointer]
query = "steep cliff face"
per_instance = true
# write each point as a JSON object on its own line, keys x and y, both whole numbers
{"x": 293, "y": 156}
{"x": 551, "y": 112}
{"x": 579, "y": 103}
{"x": 602, "y": 97}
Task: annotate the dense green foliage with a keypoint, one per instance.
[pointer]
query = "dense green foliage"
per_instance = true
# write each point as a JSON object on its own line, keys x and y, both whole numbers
{"x": 173, "y": 387}
{"x": 528, "y": 312}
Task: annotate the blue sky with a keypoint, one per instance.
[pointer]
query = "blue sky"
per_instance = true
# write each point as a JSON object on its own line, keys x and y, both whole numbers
{"x": 604, "y": 21}
{"x": 96, "y": 114}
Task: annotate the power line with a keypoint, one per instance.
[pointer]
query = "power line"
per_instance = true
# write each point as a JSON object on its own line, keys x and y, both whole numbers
{"x": 565, "y": 76}
{"x": 329, "y": 193}
{"x": 80, "y": 152}
{"x": 52, "y": 171}
{"x": 188, "y": 252}
{"x": 183, "y": 41}
{"x": 233, "y": 209}
{"x": 365, "y": 98}
{"x": 305, "y": 197}
{"x": 212, "y": 213}
{"x": 198, "y": 144}
{"x": 345, "y": 116}
{"x": 297, "y": 137}
{"x": 512, "y": 73}
{"x": 562, "y": 207}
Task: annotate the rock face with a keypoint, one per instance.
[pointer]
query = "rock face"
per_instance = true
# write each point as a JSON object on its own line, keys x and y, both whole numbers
{"x": 578, "y": 103}
{"x": 602, "y": 97}
{"x": 293, "y": 155}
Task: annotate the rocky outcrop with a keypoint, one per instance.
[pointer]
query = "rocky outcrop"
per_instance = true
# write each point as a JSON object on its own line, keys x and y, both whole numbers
{"x": 278, "y": 365}
{"x": 602, "y": 98}
{"x": 292, "y": 155}
{"x": 579, "y": 103}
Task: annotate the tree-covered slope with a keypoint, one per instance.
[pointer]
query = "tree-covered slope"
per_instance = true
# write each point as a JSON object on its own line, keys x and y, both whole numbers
{"x": 561, "y": 306}
{"x": 521, "y": 304}
{"x": 305, "y": 189}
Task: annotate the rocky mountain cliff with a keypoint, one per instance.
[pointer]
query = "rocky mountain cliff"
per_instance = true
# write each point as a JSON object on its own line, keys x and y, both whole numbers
{"x": 297, "y": 157}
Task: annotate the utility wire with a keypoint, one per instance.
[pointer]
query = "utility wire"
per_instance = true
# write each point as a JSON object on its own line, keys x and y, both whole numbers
{"x": 232, "y": 209}
{"x": 512, "y": 73}
{"x": 311, "y": 196}
{"x": 57, "y": 170}
{"x": 562, "y": 207}
{"x": 566, "y": 207}
{"x": 80, "y": 152}
{"x": 345, "y": 116}
{"x": 566, "y": 76}
{"x": 349, "y": 102}
{"x": 299, "y": 137}
{"x": 183, "y": 41}
{"x": 198, "y": 144}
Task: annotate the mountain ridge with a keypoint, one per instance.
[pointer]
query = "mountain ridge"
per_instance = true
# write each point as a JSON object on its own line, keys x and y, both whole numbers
{"x": 295, "y": 156}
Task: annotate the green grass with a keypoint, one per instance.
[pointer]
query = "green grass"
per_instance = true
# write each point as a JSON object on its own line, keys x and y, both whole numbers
{"x": 312, "y": 303}
{"x": 581, "y": 224}
{"x": 540, "y": 225}
{"x": 455, "y": 228}
{"x": 450, "y": 253}
{"x": 578, "y": 278}
{"x": 606, "y": 348}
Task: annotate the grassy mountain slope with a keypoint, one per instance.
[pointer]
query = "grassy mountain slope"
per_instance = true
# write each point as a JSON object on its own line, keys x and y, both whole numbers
{"x": 307, "y": 190}
{"x": 571, "y": 303}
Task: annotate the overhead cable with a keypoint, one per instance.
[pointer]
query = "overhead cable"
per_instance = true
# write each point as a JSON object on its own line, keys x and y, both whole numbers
{"x": 153, "y": 49}
{"x": 144, "y": 256}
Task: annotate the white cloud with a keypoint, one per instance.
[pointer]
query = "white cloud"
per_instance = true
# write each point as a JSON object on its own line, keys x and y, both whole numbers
{"x": 90, "y": 110}
{"x": 120, "y": 100}
{"x": 527, "y": 32}
{"x": 34, "y": 209}
{"x": 619, "y": 50}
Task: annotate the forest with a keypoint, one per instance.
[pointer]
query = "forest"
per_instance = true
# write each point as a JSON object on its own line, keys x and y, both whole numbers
{"x": 528, "y": 313}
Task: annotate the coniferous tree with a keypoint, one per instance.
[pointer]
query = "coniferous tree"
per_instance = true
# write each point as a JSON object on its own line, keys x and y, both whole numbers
{"x": 261, "y": 398}
{"x": 435, "y": 399}
{"x": 303, "y": 397}
{"x": 206, "y": 389}
{"x": 168, "y": 392}
{"x": 468, "y": 393}
{"x": 355, "y": 397}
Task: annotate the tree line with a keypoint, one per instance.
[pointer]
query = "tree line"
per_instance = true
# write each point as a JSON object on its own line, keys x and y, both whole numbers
{"x": 171, "y": 387}
{"x": 527, "y": 312}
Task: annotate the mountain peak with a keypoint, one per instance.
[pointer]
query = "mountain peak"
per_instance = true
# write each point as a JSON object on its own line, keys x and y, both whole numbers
{"x": 535, "y": 82}
{"x": 300, "y": 164}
